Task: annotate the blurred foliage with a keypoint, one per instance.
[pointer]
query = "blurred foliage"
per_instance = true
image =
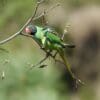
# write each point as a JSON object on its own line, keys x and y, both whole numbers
{"x": 20, "y": 83}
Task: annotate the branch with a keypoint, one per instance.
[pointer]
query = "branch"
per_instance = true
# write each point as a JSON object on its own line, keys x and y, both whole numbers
{"x": 46, "y": 12}
{"x": 20, "y": 31}
{"x": 29, "y": 20}
{"x": 27, "y": 35}
{"x": 40, "y": 62}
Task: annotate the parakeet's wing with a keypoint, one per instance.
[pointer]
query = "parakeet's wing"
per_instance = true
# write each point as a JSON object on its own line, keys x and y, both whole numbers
{"x": 50, "y": 29}
{"x": 53, "y": 38}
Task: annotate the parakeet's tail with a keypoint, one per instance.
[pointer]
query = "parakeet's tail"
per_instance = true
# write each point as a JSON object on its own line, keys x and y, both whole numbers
{"x": 61, "y": 53}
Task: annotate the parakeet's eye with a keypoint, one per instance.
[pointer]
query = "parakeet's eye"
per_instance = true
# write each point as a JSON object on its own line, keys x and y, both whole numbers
{"x": 31, "y": 29}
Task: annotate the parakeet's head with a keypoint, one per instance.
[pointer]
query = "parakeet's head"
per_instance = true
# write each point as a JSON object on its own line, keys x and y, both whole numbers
{"x": 31, "y": 29}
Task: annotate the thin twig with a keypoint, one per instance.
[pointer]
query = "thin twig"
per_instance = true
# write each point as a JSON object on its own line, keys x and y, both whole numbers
{"x": 20, "y": 31}
{"x": 35, "y": 11}
{"x": 41, "y": 61}
{"x": 16, "y": 34}
{"x": 27, "y": 35}
{"x": 29, "y": 20}
{"x": 46, "y": 12}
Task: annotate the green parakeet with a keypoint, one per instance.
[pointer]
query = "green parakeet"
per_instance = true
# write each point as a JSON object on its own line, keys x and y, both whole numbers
{"x": 49, "y": 40}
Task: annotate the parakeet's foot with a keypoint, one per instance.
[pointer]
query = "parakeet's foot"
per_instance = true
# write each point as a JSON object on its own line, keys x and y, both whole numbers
{"x": 78, "y": 82}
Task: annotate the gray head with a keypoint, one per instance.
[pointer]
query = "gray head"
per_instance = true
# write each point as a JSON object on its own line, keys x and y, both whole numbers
{"x": 31, "y": 29}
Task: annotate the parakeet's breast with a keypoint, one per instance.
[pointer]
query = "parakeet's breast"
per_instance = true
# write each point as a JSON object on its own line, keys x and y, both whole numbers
{"x": 39, "y": 34}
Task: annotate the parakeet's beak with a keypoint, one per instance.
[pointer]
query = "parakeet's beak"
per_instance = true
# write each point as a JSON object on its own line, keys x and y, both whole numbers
{"x": 27, "y": 30}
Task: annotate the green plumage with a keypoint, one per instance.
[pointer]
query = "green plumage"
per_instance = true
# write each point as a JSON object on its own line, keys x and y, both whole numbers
{"x": 48, "y": 39}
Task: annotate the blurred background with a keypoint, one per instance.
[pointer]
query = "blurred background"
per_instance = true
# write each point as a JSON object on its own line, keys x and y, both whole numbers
{"x": 53, "y": 81}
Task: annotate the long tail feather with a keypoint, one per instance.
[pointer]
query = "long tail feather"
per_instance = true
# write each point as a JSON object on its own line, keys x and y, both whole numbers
{"x": 61, "y": 53}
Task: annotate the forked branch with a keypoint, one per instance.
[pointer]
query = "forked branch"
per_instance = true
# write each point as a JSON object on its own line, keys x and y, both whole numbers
{"x": 32, "y": 18}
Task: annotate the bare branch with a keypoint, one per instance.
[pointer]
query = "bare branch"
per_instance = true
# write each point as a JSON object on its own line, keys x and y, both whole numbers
{"x": 20, "y": 31}
{"x": 27, "y": 35}
{"x": 29, "y": 20}
{"x": 46, "y": 11}
{"x": 16, "y": 34}
{"x": 41, "y": 61}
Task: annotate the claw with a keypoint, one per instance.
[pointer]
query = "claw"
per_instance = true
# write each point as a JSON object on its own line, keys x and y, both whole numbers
{"x": 78, "y": 82}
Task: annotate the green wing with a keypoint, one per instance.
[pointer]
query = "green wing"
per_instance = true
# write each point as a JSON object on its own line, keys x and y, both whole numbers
{"x": 53, "y": 38}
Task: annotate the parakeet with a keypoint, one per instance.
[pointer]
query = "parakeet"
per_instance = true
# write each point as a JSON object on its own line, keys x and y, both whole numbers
{"x": 50, "y": 41}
